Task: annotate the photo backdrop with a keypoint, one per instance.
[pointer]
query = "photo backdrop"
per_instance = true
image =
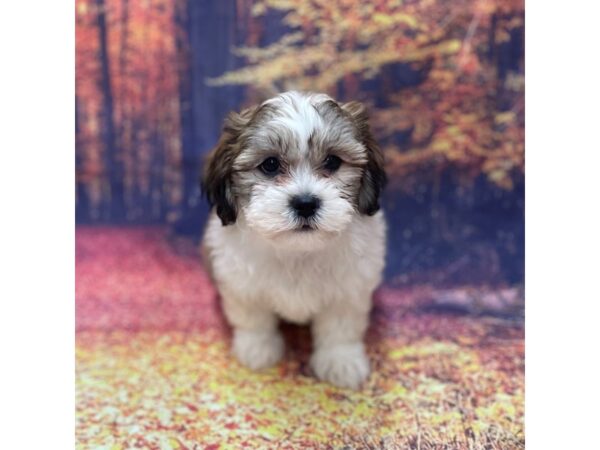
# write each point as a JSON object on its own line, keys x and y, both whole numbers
{"x": 444, "y": 82}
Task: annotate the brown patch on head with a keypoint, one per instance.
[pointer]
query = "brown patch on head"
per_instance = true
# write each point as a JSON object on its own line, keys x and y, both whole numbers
{"x": 216, "y": 180}
{"x": 262, "y": 139}
{"x": 338, "y": 135}
{"x": 374, "y": 178}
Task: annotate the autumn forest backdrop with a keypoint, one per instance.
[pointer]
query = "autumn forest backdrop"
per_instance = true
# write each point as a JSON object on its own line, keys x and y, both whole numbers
{"x": 444, "y": 84}
{"x": 444, "y": 81}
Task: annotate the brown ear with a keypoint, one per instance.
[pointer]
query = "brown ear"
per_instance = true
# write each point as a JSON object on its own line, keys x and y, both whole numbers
{"x": 216, "y": 182}
{"x": 373, "y": 179}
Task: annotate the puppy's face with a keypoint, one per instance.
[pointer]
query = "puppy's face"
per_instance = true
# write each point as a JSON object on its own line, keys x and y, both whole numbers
{"x": 296, "y": 169}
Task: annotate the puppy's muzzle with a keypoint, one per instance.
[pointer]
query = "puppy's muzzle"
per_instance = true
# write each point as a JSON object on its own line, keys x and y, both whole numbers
{"x": 305, "y": 205}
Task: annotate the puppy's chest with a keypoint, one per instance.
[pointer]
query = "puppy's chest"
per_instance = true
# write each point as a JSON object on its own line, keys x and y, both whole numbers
{"x": 298, "y": 289}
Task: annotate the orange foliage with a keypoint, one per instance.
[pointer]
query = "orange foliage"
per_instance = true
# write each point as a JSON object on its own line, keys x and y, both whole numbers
{"x": 143, "y": 61}
{"x": 457, "y": 117}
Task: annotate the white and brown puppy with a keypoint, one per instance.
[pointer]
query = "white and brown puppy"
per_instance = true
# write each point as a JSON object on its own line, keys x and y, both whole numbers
{"x": 296, "y": 231}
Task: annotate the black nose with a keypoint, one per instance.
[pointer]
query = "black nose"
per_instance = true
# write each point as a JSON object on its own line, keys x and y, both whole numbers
{"x": 305, "y": 205}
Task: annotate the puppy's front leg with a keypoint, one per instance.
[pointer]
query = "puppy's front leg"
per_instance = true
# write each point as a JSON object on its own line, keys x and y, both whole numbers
{"x": 257, "y": 343}
{"x": 339, "y": 356}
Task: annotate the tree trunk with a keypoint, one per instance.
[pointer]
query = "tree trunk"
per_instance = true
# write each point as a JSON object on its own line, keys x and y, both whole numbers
{"x": 124, "y": 131}
{"x": 82, "y": 203}
{"x": 112, "y": 158}
{"x": 209, "y": 29}
{"x": 189, "y": 156}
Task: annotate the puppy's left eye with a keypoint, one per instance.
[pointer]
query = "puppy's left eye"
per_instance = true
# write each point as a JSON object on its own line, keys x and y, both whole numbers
{"x": 270, "y": 166}
{"x": 332, "y": 163}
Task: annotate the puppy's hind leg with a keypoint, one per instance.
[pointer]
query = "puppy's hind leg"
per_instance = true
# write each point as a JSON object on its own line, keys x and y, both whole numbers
{"x": 339, "y": 356}
{"x": 257, "y": 343}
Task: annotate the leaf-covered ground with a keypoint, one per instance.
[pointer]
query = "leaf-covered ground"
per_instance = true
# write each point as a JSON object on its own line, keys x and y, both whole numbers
{"x": 154, "y": 371}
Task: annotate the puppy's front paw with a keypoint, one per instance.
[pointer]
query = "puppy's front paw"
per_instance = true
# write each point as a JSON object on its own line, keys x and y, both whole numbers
{"x": 257, "y": 349}
{"x": 345, "y": 365}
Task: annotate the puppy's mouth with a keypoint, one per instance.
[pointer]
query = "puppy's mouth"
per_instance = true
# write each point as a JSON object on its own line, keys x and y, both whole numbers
{"x": 305, "y": 226}
{"x": 304, "y": 229}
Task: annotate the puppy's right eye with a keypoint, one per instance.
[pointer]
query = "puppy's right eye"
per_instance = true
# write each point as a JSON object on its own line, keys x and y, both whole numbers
{"x": 270, "y": 166}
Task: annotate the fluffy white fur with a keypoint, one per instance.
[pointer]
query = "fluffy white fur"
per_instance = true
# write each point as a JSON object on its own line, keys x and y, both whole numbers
{"x": 266, "y": 269}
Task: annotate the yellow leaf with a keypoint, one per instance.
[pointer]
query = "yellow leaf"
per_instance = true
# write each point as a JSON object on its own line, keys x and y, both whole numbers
{"x": 393, "y": 19}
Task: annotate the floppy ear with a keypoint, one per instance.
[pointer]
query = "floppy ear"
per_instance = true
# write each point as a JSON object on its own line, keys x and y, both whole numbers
{"x": 373, "y": 179}
{"x": 216, "y": 182}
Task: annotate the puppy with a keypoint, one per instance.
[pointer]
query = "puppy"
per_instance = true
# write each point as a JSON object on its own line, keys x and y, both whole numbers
{"x": 296, "y": 231}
